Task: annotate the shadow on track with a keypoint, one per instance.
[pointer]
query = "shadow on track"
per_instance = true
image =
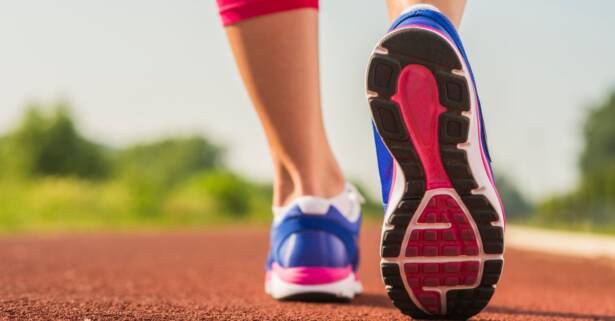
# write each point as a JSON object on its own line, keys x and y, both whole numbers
{"x": 376, "y": 300}
{"x": 552, "y": 314}
{"x": 383, "y": 301}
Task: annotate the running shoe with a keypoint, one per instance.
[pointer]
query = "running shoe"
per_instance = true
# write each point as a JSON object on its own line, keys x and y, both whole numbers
{"x": 314, "y": 252}
{"x": 442, "y": 239}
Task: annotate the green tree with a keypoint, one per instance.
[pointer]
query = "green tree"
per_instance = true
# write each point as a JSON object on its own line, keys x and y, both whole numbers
{"x": 230, "y": 193}
{"x": 153, "y": 169}
{"x": 598, "y": 158}
{"x": 599, "y": 137}
{"x": 592, "y": 202}
{"x": 515, "y": 204}
{"x": 170, "y": 160}
{"x": 47, "y": 144}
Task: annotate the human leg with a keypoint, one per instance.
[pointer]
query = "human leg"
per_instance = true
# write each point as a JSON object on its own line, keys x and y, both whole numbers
{"x": 277, "y": 56}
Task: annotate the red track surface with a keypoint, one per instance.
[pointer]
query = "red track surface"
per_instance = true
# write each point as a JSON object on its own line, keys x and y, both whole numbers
{"x": 218, "y": 275}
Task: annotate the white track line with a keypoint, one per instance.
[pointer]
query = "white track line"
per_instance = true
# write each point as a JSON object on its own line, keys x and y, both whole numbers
{"x": 560, "y": 242}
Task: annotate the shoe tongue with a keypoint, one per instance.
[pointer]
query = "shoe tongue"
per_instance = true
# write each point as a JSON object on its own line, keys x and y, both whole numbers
{"x": 343, "y": 202}
{"x": 420, "y": 6}
{"x": 347, "y": 203}
{"x": 308, "y": 204}
{"x": 313, "y": 205}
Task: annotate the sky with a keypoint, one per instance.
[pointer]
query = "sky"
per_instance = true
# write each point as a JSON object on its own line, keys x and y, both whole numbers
{"x": 142, "y": 69}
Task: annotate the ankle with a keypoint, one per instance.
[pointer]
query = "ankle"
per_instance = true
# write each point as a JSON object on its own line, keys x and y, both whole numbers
{"x": 283, "y": 191}
{"x": 322, "y": 185}
{"x": 325, "y": 184}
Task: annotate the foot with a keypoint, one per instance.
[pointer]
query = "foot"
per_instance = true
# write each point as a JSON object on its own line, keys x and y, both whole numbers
{"x": 314, "y": 251}
{"x": 442, "y": 240}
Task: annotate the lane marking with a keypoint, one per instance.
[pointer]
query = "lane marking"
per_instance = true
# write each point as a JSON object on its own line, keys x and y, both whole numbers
{"x": 560, "y": 242}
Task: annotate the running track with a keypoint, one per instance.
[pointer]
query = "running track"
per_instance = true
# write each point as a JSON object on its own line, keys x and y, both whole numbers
{"x": 218, "y": 275}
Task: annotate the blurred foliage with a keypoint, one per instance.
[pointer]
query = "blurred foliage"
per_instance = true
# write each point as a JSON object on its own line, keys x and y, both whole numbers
{"x": 515, "y": 204}
{"x": 53, "y": 178}
{"x": 599, "y": 138}
{"x": 151, "y": 170}
{"x": 221, "y": 192}
{"x": 49, "y": 144}
{"x": 168, "y": 161}
{"x": 591, "y": 204}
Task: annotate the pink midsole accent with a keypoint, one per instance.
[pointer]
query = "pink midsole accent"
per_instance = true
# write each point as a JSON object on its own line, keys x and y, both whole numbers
{"x": 310, "y": 275}
{"x": 417, "y": 96}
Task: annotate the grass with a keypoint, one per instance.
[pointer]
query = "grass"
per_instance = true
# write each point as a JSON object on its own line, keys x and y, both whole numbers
{"x": 68, "y": 204}
{"x": 64, "y": 204}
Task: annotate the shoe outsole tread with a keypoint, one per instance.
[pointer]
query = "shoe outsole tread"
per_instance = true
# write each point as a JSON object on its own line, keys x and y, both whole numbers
{"x": 426, "y": 48}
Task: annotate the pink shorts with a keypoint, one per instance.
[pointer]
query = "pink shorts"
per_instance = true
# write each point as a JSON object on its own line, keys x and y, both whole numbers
{"x": 233, "y": 11}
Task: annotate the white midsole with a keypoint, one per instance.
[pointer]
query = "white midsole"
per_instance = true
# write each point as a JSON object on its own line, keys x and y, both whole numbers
{"x": 346, "y": 288}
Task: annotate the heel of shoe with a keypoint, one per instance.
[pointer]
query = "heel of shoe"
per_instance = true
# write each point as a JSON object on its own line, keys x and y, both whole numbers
{"x": 312, "y": 283}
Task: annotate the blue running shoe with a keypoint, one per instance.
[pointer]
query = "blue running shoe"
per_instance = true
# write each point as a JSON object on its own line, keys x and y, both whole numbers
{"x": 314, "y": 253}
{"x": 442, "y": 239}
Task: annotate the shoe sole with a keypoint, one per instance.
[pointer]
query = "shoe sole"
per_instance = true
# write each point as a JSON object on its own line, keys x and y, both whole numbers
{"x": 442, "y": 242}
{"x": 340, "y": 291}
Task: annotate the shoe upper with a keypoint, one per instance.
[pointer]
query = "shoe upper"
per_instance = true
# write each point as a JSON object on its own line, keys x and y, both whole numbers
{"x": 317, "y": 232}
{"x": 433, "y": 19}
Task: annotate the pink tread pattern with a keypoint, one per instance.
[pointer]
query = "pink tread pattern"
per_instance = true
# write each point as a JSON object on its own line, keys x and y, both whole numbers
{"x": 449, "y": 274}
{"x": 417, "y": 94}
{"x": 459, "y": 239}
{"x": 420, "y": 106}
